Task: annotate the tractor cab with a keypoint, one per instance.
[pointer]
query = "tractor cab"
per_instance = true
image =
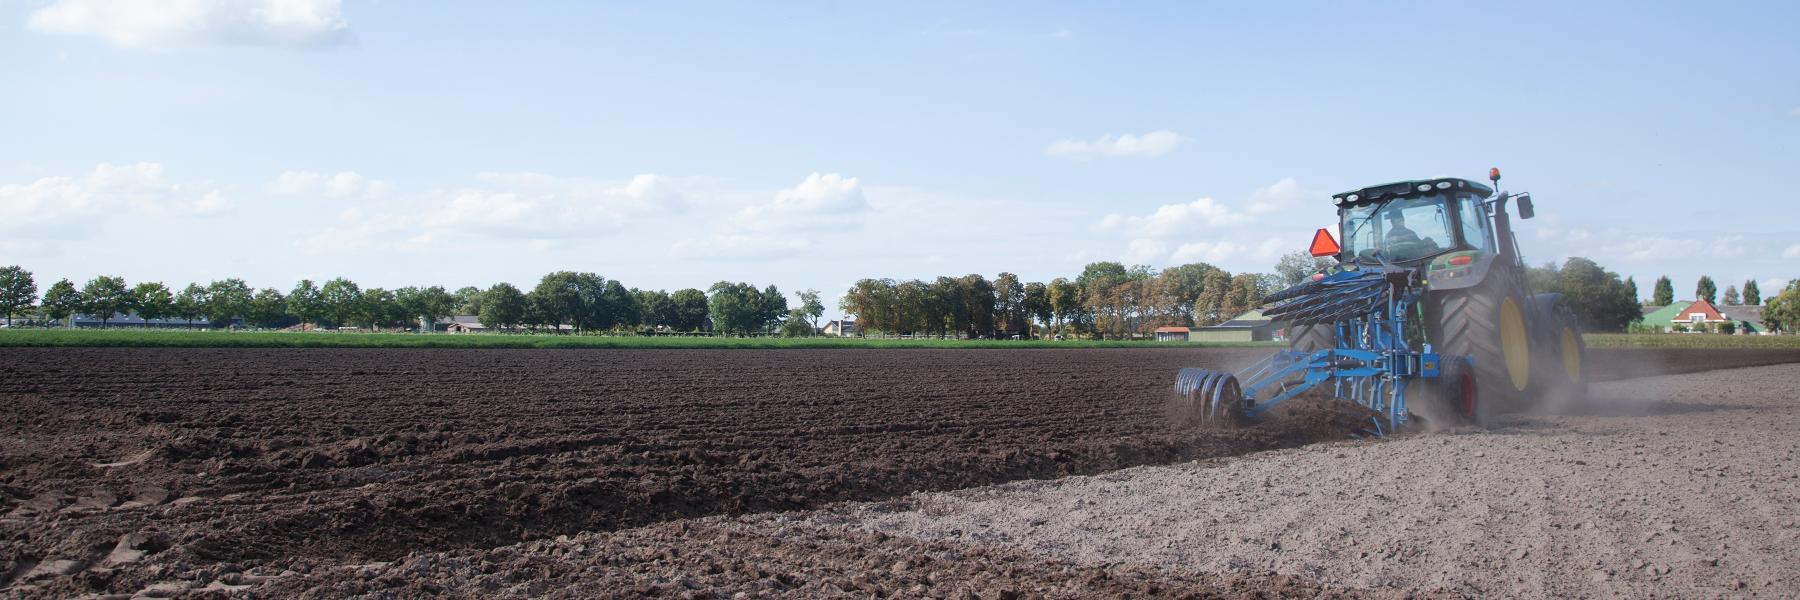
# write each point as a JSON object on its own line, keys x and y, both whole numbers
{"x": 1409, "y": 222}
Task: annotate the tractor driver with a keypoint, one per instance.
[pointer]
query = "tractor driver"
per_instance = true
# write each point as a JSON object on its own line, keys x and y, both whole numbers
{"x": 1399, "y": 237}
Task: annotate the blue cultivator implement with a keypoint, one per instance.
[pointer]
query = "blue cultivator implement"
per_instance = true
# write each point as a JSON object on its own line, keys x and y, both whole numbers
{"x": 1370, "y": 364}
{"x": 1428, "y": 260}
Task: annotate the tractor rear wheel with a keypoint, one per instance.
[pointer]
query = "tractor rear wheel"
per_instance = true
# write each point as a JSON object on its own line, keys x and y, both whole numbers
{"x": 1487, "y": 324}
{"x": 1567, "y": 381}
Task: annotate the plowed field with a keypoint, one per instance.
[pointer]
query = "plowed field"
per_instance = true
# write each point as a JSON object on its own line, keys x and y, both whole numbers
{"x": 120, "y": 468}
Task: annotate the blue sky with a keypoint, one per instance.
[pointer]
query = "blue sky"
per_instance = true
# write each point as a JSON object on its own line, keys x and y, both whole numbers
{"x": 808, "y": 145}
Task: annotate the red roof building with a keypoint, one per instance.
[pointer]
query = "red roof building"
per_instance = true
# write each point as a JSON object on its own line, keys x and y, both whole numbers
{"x": 1700, "y": 311}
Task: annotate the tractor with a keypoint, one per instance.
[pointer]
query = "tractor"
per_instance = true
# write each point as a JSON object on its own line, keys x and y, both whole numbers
{"x": 1425, "y": 314}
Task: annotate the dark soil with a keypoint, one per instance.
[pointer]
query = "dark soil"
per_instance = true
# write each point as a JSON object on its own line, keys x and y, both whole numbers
{"x": 213, "y": 463}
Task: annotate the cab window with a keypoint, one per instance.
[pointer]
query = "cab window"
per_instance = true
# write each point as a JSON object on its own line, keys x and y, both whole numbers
{"x": 1473, "y": 215}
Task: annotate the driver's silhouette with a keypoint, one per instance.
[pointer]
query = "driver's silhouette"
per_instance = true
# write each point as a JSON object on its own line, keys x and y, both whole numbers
{"x": 1397, "y": 232}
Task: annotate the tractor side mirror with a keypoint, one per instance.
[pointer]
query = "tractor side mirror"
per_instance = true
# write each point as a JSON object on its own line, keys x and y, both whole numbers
{"x": 1525, "y": 209}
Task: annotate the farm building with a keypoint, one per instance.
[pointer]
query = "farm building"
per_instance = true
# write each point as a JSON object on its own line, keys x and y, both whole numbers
{"x": 1248, "y": 327}
{"x": 844, "y": 327}
{"x": 1703, "y": 315}
{"x": 1171, "y": 334}
{"x": 461, "y": 324}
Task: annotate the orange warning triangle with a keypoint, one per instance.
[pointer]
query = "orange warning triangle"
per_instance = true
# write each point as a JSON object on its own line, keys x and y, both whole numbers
{"x": 1323, "y": 244}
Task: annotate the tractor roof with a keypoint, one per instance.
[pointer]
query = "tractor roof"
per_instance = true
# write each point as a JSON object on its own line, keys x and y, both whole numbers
{"x": 1407, "y": 188}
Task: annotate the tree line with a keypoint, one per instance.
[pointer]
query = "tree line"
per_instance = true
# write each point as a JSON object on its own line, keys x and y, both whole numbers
{"x": 1663, "y": 294}
{"x": 572, "y": 301}
{"x": 1107, "y": 300}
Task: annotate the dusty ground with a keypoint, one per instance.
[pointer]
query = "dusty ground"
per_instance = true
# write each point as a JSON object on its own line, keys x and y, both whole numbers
{"x": 395, "y": 472}
{"x": 1682, "y": 487}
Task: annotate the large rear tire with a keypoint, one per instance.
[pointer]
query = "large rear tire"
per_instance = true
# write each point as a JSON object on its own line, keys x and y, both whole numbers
{"x": 1487, "y": 324}
{"x": 1567, "y": 378}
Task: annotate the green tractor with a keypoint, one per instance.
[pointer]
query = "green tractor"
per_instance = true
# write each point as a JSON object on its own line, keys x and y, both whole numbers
{"x": 1455, "y": 238}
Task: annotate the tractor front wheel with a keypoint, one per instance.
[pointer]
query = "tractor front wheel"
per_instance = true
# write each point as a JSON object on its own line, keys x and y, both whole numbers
{"x": 1449, "y": 401}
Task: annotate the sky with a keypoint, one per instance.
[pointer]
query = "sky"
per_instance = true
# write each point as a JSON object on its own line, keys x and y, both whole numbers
{"x": 811, "y": 144}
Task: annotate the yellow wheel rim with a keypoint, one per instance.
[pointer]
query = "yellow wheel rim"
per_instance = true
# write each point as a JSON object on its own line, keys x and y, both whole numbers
{"x": 1514, "y": 344}
{"x": 1571, "y": 354}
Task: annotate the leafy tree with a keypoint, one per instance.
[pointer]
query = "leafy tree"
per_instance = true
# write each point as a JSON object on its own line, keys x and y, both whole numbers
{"x": 1706, "y": 290}
{"x": 1542, "y": 279}
{"x": 1631, "y": 289}
{"x": 555, "y": 300}
{"x": 1036, "y": 304}
{"x": 1752, "y": 296}
{"x": 1213, "y": 305}
{"x": 657, "y": 309}
{"x": 1780, "y": 313}
{"x": 579, "y": 299}
{"x": 1664, "y": 292}
{"x": 105, "y": 296}
{"x": 796, "y": 325}
{"x": 736, "y": 307}
{"x": 1180, "y": 288}
{"x": 381, "y": 308}
{"x": 62, "y": 301}
{"x": 190, "y": 304}
{"x": 976, "y": 312}
{"x": 1599, "y": 300}
{"x": 226, "y": 299}
{"x": 1009, "y": 300}
{"x": 305, "y": 302}
{"x": 17, "y": 291}
{"x": 503, "y": 306}
{"x": 687, "y": 310}
{"x": 153, "y": 301}
{"x": 774, "y": 308}
{"x": 812, "y": 306}
{"x": 1731, "y": 295}
{"x": 1299, "y": 266}
{"x": 340, "y": 301}
{"x": 622, "y": 308}
{"x": 1065, "y": 301}
{"x": 468, "y": 300}
{"x": 941, "y": 305}
{"x": 426, "y": 304}
{"x": 1244, "y": 294}
{"x": 267, "y": 308}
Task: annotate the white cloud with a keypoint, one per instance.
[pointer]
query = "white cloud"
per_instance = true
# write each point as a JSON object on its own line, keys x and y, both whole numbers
{"x": 168, "y": 24}
{"x": 1144, "y": 250}
{"x": 1730, "y": 246}
{"x": 1233, "y": 236}
{"x": 1209, "y": 215}
{"x": 1063, "y": 34}
{"x": 1795, "y": 112}
{"x": 342, "y": 184}
{"x": 821, "y": 201}
{"x": 1149, "y": 145}
{"x": 1791, "y": 251}
{"x": 532, "y": 208}
{"x": 739, "y": 247}
{"x": 1208, "y": 252}
{"x": 1661, "y": 248}
{"x": 139, "y": 189}
{"x": 1175, "y": 219}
